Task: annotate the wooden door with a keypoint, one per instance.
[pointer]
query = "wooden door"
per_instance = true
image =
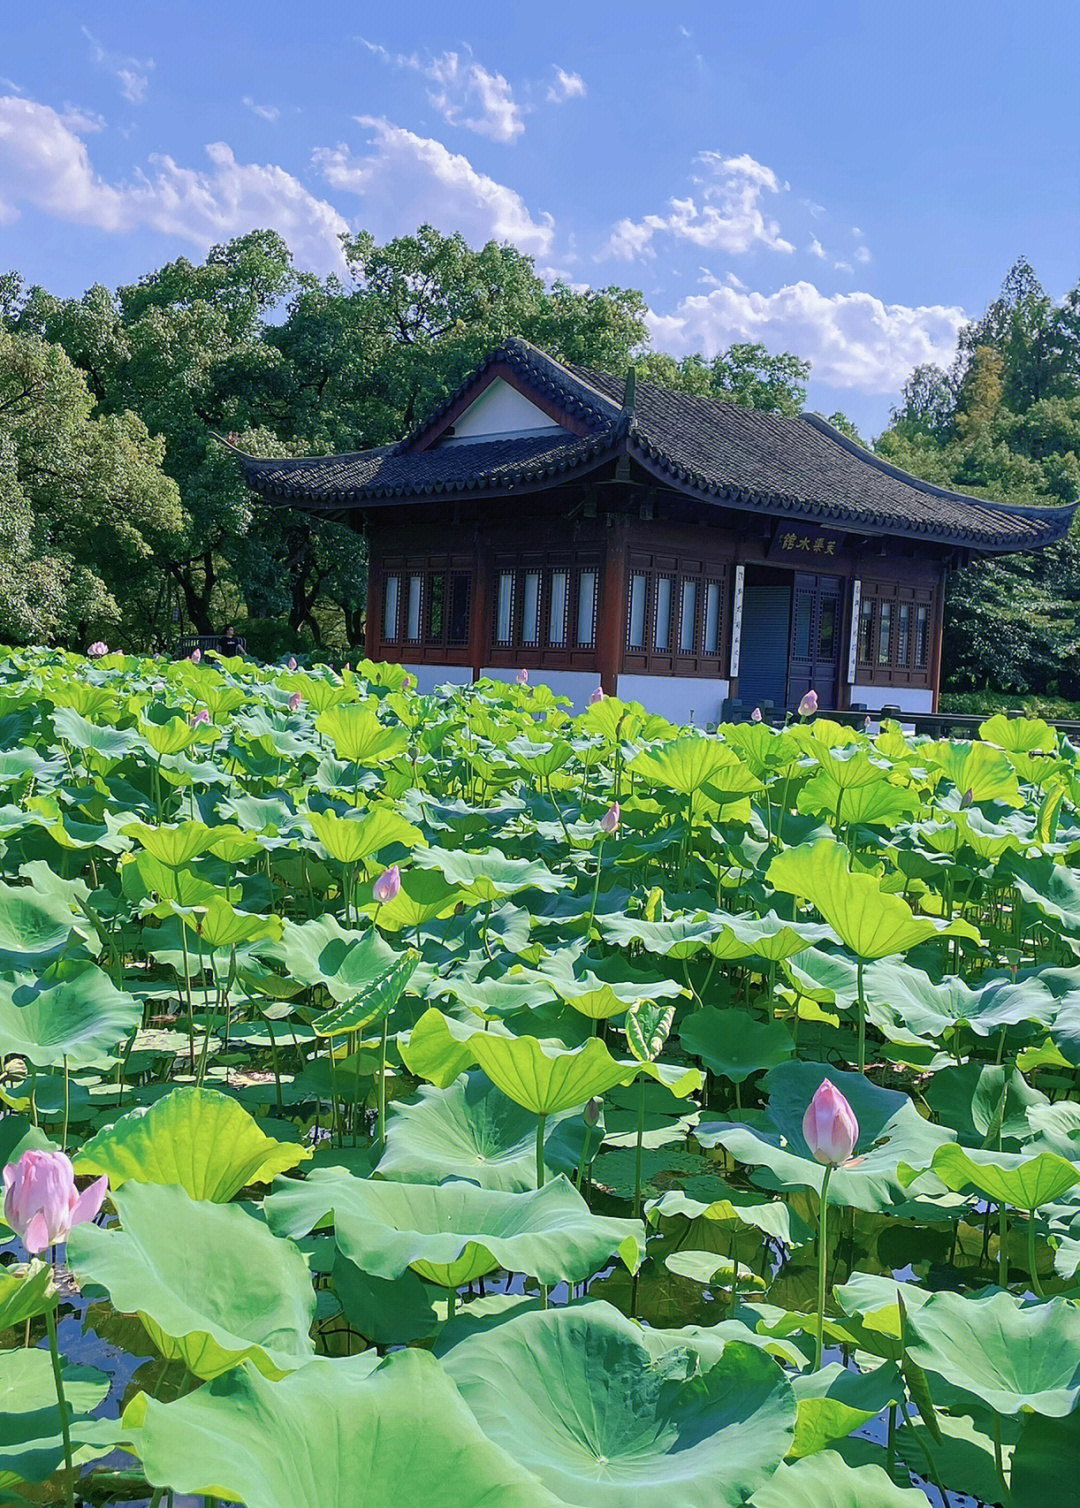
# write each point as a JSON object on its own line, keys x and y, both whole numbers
{"x": 814, "y": 652}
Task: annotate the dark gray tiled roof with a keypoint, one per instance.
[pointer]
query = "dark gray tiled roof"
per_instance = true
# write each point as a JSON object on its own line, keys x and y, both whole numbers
{"x": 734, "y": 456}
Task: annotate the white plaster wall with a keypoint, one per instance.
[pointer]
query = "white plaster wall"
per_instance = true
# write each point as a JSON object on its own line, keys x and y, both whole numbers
{"x": 679, "y": 698}
{"x": 499, "y": 410}
{"x": 907, "y": 698}
{"x": 430, "y": 676}
{"x": 578, "y": 685}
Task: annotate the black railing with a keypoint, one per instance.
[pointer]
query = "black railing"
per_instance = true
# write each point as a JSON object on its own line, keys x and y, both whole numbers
{"x": 203, "y": 642}
{"x": 936, "y": 724}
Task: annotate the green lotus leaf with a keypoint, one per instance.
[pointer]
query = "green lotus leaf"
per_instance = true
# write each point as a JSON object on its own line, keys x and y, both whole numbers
{"x": 197, "y": 1138}
{"x": 472, "y": 1130}
{"x": 376, "y": 988}
{"x": 34, "y": 927}
{"x": 1019, "y": 735}
{"x": 175, "y": 844}
{"x": 424, "y": 896}
{"x": 210, "y": 1283}
{"x": 336, "y": 1434}
{"x": 767, "y": 936}
{"x": 439, "y": 1048}
{"x": 503, "y": 995}
{"x": 735, "y": 1207}
{"x": 1021, "y": 1182}
{"x": 836, "y": 1400}
{"x": 385, "y": 1311}
{"x": 31, "y": 1441}
{"x": 929, "y": 1007}
{"x": 489, "y": 875}
{"x": 963, "y": 1452}
{"x": 25, "y": 1292}
{"x": 169, "y": 737}
{"x": 977, "y": 768}
{"x": 73, "y": 1013}
{"x": 608, "y": 1414}
{"x": 687, "y": 765}
{"x": 867, "y": 919}
{"x": 544, "y": 1077}
{"x": 711, "y": 1270}
{"x": 1012, "y": 1356}
{"x": 221, "y": 925}
{"x": 679, "y": 938}
{"x": 734, "y": 1044}
{"x": 826, "y": 1481}
{"x": 352, "y": 840}
{"x": 890, "y": 1131}
{"x": 1045, "y": 1460}
{"x": 453, "y": 1233}
{"x": 985, "y": 1101}
{"x": 359, "y": 737}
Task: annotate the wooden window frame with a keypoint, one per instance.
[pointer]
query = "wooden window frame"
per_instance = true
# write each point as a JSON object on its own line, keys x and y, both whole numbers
{"x": 427, "y": 648}
{"x": 886, "y": 600}
{"x": 543, "y": 655}
{"x": 679, "y": 569}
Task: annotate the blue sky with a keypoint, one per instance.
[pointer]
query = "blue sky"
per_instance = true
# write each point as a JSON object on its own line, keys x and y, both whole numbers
{"x": 848, "y": 181}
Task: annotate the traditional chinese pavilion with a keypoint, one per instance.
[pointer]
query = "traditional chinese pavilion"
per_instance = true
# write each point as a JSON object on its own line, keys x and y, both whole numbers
{"x": 680, "y": 551}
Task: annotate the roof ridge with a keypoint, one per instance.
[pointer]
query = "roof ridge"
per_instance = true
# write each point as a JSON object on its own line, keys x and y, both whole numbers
{"x": 864, "y": 453}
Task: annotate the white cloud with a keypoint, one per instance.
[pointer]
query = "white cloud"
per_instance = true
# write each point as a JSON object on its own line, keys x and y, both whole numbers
{"x": 44, "y": 164}
{"x": 566, "y": 86}
{"x": 264, "y": 112}
{"x": 853, "y": 340}
{"x": 729, "y": 217}
{"x": 407, "y": 180}
{"x": 132, "y": 74}
{"x": 817, "y": 250}
{"x": 463, "y": 91}
{"x": 862, "y": 254}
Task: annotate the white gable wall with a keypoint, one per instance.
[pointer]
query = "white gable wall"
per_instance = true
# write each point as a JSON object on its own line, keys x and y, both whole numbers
{"x": 499, "y": 410}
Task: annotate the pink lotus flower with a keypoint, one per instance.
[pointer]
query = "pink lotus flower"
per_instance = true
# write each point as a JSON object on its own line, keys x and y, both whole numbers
{"x": 202, "y": 716}
{"x": 597, "y": 696}
{"x": 522, "y": 677}
{"x": 829, "y": 1126}
{"x": 292, "y": 662}
{"x": 295, "y": 702}
{"x": 196, "y": 655}
{"x": 97, "y": 649}
{"x": 387, "y": 886}
{"x": 755, "y": 716}
{"x": 808, "y": 705}
{"x": 609, "y": 822}
{"x": 41, "y": 1202}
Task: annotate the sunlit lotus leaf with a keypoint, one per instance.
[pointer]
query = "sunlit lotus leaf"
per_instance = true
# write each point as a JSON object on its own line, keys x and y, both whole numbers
{"x": 687, "y": 765}
{"x": 611, "y": 1415}
{"x": 732, "y": 1207}
{"x": 453, "y": 1233}
{"x": 25, "y": 1292}
{"x": 768, "y": 936}
{"x": 374, "y": 988}
{"x": 930, "y": 1007}
{"x": 826, "y": 1481}
{"x": 681, "y": 937}
{"x": 34, "y": 928}
{"x": 978, "y": 768}
{"x": 869, "y": 921}
{"x": 31, "y": 1440}
{"x": 498, "y": 996}
{"x": 197, "y": 1138}
{"x": 544, "y": 1077}
{"x": 488, "y": 875}
{"x": 472, "y": 1130}
{"x": 210, "y": 1283}
{"x": 174, "y": 844}
{"x": 221, "y": 925}
{"x": 169, "y": 737}
{"x": 710, "y": 1269}
{"x": 1011, "y": 1178}
{"x": 1011, "y": 1355}
{"x": 838, "y": 1399}
{"x": 143, "y": 876}
{"x": 72, "y": 1013}
{"x": 318, "y": 692}
{"x": 1057, "y": 1125}
{"x": 359, "y": 737}
{"x": 424, "y": 896}
{"x": 336, "y": 1434}
{"x": 351, "y": 840}
{"x": 891, "y": 1131}
{"x": 439, "y": 1048}
{"x": 880, "y": 804}
{"x": 1018, "y": 735}
{"x": 733, "y": 1044}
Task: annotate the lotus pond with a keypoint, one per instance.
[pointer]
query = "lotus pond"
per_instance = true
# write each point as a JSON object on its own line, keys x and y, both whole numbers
{"x": 447, "y": 1058}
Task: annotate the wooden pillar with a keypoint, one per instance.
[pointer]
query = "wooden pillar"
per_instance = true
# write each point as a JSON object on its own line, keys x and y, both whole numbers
{"x": 479, "y": 626}
{"x": 373, "y": 606}
{"x": 611, "y": 609}
{"x": 937, "y": 634}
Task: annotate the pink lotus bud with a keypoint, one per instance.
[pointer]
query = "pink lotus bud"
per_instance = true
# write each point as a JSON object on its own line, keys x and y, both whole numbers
{"x": 347, "y": 665}
{"x": 597, "y": 696}
{"x": 591, "y": 1113}
{"x": 829, "y": 1126}
{"x": 522, "y": 677}
{"x": 967, "y": 799}
{"x": 808, "y": 705}
{"x": 868, "y": 726}
{"x": 295, "y": 701}
{"x": 755, "y": 716}
{"x": 196, "y": 655}
{"x": 409, "y": 682}
{"x": 97, "y": 649}
{"x": 202, "y": 716}
{"x": 41, "y": 1202}
{"x": 292, "y": 662}
{"x": 609, "y": 822}
{"x": 387, "y": 886}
